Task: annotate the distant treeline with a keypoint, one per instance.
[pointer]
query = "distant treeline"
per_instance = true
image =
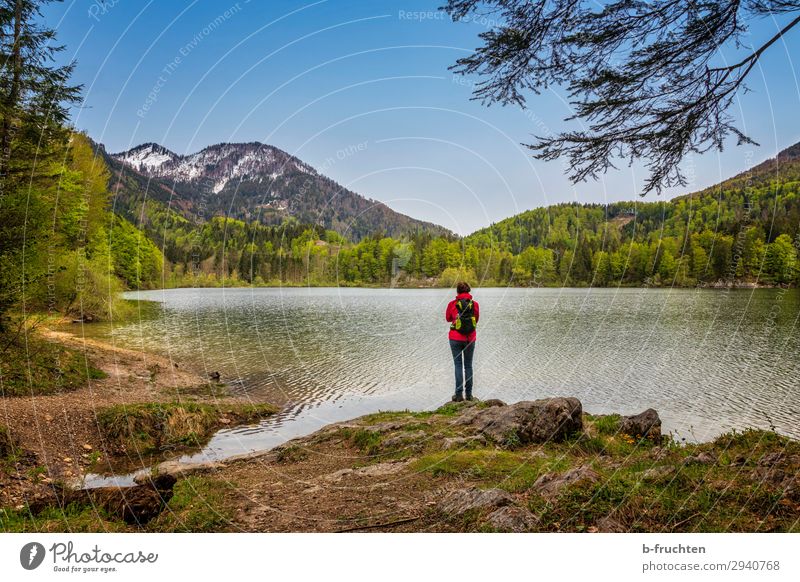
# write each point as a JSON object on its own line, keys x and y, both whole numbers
{"x": 719, "y": 235}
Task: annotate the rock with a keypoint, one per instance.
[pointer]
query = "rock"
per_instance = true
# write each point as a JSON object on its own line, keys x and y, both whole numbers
{"x": 48, "y": 418}
{"x": 551, "y": 484}
{"x": 701, "y": 458}
{"x": 377, "y": 470}
{"x": 658, "y": 453}
{"x": 407, "y": 439}
{"x": 337, "y": 475}
{"x": 538, "y": 421}
{"x": 382, "y": 469}
{"x": 67, "y": 459}
{"x": 510, "y": 518}
{"x": 215, "y": 376}
{"x": 87, "y": 447}
{"x": 464, "y": 442}
{"x": 462, "y": 500}
{"x": 656, "y": 474}
{"x": 493, "y": 402}
{"x": 645, "y": 424}
{"x": 176, "y": 469}
{"x": 608, "y": 524}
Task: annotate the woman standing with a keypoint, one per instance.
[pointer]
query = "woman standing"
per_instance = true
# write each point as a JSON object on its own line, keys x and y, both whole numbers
{"x": 463, "y": 314}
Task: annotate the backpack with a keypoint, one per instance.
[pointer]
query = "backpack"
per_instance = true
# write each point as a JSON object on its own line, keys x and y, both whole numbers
{"x": 465, "y": 322}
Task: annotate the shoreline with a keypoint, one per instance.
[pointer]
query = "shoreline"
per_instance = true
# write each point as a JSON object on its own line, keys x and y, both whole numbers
{"x": 60, "y": 433}
{"x": 741, "y": 286}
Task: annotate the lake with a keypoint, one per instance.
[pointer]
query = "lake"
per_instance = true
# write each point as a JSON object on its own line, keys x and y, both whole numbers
{"x": 707, "y": 360}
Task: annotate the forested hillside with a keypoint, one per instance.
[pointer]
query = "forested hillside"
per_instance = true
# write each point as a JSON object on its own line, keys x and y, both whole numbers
{"x": 745, "y": 229}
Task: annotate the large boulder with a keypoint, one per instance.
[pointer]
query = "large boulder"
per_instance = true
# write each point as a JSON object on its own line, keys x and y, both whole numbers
{"x": 608, "y": 524}
{"x": 537, "y": 421}
{"x": 460, "y": 501}
{"x": 551, "y": 484}
{"x": 511, "y": 518}
{"x": 646, "y": 424}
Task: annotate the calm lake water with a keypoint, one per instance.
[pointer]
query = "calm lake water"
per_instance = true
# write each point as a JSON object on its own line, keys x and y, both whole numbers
{"x": 707, "y": 360}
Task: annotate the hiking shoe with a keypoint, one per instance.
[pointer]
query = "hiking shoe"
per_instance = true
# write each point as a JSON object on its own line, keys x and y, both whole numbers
{"x": 458, "y": 398}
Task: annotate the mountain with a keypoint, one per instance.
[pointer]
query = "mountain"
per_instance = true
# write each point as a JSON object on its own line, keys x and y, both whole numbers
{"x": 254, "y": 182}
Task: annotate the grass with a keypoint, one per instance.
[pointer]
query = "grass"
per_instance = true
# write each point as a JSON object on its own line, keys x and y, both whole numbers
{"x": 31, "y": 366}
{"x": 148, "y": 428}
{"x": 367, "y": 441}
{"x": 607, "y": 425}
{"x": 198, "y": 504}
{"x": 73, "y": 518}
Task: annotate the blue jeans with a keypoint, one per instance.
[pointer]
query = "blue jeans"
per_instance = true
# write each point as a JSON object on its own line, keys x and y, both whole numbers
{"x": 462, "y": 357}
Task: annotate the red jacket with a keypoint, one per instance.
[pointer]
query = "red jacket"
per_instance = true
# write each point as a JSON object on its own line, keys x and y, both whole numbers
{"x": 451, "y": 314}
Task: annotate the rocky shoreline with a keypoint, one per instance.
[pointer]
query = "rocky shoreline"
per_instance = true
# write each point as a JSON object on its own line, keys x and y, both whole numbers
{"x": 543, "y": 465}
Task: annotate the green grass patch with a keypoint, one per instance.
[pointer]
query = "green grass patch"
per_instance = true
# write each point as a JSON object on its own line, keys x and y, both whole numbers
{"x": 73, "y": 518}
{"x": 607, "y": 424}
{"x": 198, "y": 504}
{"x": 31, "y": 366}
{"x": 494, "y": 467}
{"x": 367, "y": 441}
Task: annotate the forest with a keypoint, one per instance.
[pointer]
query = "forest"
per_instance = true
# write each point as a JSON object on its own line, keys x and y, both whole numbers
{"x": 725, "y": 234}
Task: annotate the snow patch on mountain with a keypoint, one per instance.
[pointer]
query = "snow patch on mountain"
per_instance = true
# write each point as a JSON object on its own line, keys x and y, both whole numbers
{"x": 215, "y": 166}
{"x": 148, "y": 157}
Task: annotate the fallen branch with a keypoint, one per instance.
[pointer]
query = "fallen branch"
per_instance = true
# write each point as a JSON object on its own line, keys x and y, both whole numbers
{"x": 377, "y": 525}
{"x": 683, "y": 521}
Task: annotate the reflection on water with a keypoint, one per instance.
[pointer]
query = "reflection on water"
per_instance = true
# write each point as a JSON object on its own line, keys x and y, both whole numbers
{"x": 707, "y": 360}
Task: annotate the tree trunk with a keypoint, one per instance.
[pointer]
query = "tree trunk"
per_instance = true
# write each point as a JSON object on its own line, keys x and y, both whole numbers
{"x": 12, "y": 103}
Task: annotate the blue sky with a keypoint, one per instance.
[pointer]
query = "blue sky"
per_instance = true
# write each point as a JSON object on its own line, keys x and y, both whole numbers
{"x": 361, "y": 91}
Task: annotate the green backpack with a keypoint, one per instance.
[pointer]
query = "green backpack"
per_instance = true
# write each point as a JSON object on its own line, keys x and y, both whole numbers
{"x": 465, "y": 322}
